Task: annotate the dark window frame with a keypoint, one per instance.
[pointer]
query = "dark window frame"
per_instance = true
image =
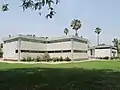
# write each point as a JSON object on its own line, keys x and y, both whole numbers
{"x": 36, "y": 51}
{"x": 80, "y": 51}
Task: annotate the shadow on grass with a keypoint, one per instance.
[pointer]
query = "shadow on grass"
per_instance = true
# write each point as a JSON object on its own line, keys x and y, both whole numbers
{"x": 59, "y": 79}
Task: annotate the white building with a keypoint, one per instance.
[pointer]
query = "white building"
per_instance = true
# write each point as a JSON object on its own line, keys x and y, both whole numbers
{"x": 19, "y": 46}
{"x": 103, "y": 51}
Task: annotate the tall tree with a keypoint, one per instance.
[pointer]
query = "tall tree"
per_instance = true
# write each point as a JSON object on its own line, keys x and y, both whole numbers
{"x": 98, "y": 31}
{"x": 116, "y": 43}
{"x": 76, "y": 25}
{"x": 66, "y": 31}
{"x": 36, "y": 5}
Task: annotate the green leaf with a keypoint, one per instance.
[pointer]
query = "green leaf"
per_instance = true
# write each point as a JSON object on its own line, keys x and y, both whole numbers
{"x": 5, "y": 7}
{"x": 43, "y": 2}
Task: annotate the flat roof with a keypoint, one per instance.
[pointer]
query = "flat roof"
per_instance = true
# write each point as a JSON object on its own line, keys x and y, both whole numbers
{"x": 44, "y": 38}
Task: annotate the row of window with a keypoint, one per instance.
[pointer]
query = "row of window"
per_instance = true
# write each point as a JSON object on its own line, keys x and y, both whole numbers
{"x": 80, "y": 51}
{"x": 113, "y": 52}
{"x": 57, "y": 51}
{"x": 35, "y": 51}
{"x": 105, "y": 48}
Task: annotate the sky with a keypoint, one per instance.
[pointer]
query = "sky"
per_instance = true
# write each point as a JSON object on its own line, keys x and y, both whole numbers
{"x": 92, "y": 13}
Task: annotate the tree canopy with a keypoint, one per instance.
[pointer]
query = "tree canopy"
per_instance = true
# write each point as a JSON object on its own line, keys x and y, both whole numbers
{"x": 76, "y": 25}
{"x": 97, "y": 30}
{"x": 36, "y": 5}
{"x": 66, "y": 31}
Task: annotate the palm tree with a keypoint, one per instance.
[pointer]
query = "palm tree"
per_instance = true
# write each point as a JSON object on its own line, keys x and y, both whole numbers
{"x": 76, "y": 25}
{"x": 66, "y": 31}
{"x": 116, "y": 44}
{"x": 98, "y": 31}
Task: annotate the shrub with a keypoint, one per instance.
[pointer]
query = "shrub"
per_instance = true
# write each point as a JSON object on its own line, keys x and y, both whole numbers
{"x": 54, "y": 59}
{"x": 101, "y": 58}
{"x": 1, "y": 54}
{"x": 29, "y": 59}
{"x": 61, "y": 58}
{"x": 112, "y": 58}
{"x": 67, "y": 59}
{"x": 24, "y": 59}
{"x": 106, "y": 57}
{"x": 38, "y": 59}
{"x": 46, "y": 57}
{"x": 116, "y": 57}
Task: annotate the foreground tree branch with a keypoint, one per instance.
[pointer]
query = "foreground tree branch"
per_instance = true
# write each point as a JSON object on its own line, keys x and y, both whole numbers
{"x": 36, "y": 5}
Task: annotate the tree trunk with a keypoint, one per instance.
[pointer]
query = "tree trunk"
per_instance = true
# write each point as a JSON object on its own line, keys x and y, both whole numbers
{"x": 98, "y": 39}
{"x": 76, "y": 34}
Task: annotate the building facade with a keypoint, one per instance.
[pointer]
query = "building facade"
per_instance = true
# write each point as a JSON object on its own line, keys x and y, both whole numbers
{"x": 22, "y": 46}
{"x": 102, "y": 51}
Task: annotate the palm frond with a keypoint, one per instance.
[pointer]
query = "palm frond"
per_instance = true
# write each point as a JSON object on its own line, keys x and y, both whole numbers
{"x": 5, "y": 7}
{"x": 98, "y": 30}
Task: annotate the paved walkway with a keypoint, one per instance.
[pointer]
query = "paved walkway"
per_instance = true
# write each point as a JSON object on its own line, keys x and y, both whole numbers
{"x": 46, "y": 62}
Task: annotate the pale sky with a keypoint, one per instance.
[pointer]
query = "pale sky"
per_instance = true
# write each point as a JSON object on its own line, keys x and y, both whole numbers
{"x": 92, "y": 13}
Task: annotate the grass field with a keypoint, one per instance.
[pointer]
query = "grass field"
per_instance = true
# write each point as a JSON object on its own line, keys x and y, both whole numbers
{"x": 93, "y": 75}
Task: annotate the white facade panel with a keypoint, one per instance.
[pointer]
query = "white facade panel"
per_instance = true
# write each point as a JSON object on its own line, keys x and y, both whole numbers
{"x": 9, "y": 50}
{"x": 59, "y": 46}
{"x": 102, "y": 52}
{"x": 26, "y": 45}
{"x": 79, "y": 46}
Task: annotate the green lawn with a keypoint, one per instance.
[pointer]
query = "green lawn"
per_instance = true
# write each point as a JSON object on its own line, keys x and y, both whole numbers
{"x": 94, "y": 75}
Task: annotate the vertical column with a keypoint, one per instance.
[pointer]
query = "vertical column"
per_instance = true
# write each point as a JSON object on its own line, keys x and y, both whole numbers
{"x": 110, "y": 53}
{"x": 72, "y": 49}
{"x": 19, "y": 51}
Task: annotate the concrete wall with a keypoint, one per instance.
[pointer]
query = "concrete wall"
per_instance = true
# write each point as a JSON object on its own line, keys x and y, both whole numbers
{"x": 26, "y": 45}
{"x": 9, "y": 50}
{"x": 59, "y": 46}
{"x": 80, "y": 46}
{"x": 102, "y": 52}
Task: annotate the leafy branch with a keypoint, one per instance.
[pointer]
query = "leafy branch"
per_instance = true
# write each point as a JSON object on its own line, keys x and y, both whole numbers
{"x": 36, "y": 5}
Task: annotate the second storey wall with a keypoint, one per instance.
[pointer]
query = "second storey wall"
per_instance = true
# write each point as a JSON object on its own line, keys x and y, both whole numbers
{"x": 80, "y": 46}
{"x": 60, "y": 49}
{"x": 9, "y": 50}
{"x": 26, "y": 45}
{"x": 32, "y": 49}
{"x": 59, "y": 46}
{"x": 80, "y": 50}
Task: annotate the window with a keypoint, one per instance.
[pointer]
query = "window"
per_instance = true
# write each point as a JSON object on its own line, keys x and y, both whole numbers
{"x": 16, "y": 51}
{"x": 65, "y": 51}
{"x": 58, "y": 51}
{"x": 80, "y": 51}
